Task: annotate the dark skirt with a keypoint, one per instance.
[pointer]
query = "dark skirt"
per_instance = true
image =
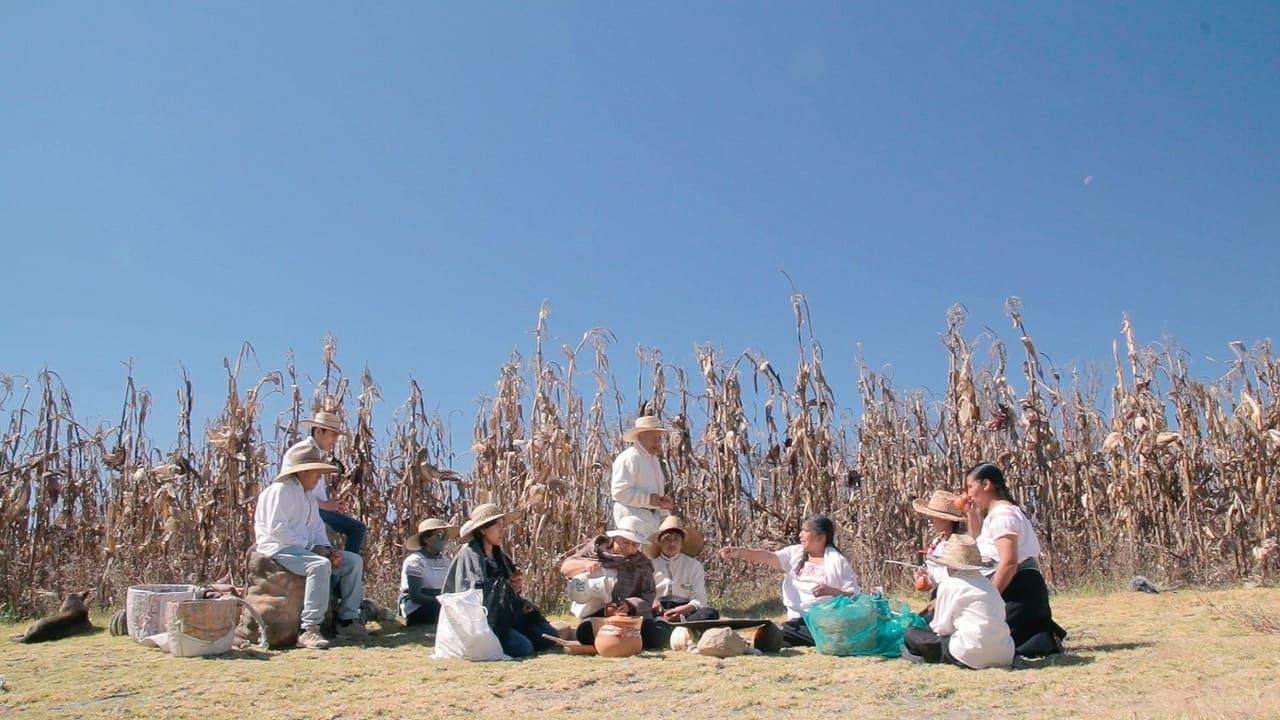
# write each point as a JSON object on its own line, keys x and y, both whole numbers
{"x": 1027, "y": 612}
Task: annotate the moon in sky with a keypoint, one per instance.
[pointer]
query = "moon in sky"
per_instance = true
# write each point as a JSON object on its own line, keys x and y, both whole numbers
{"x": 1088, "y": 179}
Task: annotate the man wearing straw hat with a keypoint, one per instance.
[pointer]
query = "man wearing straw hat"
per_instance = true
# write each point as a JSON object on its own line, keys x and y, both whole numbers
{"x": 638, "y": 483}
{"x": 287, "y": 528}
{"x": 679, "y": 577}
{"x": 968, "y": 626}
{"x": 423, "y": 573}
{"x": 326, "y": 428}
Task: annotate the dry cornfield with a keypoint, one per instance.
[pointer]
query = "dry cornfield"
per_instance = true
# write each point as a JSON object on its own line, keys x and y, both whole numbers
{"x": 1171, "y": 475}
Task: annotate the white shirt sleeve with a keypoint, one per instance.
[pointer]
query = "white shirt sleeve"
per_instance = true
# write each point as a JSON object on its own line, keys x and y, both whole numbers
{"x": 944, "y": 611}
{"x": 846, "y": 578}
{"x": 266, "y": 517}
{"x": 622, "y": 485}
{"x": 698, "y": 595}
{"x": 319, "y": 537}
{"x": 788, "y": 557}
{"x": 1001, "y": 523}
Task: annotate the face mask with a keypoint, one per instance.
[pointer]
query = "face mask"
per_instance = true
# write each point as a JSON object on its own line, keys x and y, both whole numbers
{"x": 435, "y": 545}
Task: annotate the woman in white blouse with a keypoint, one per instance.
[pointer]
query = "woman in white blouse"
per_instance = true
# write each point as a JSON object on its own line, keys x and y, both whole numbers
{"x": 814, "y": 569}
{"x": 1006, "y": 536}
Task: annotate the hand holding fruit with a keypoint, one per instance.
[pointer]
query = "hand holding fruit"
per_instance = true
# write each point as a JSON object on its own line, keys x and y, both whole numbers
{"x": 921, "y": 577}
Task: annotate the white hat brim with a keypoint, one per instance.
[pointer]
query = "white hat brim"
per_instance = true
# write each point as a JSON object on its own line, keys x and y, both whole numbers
{"x": 413, "y": 543}
{"x": 334, "y": 428}
{"x": 631, "y": 434}
{"x": 628, "y": 535}
{"x": 921, "y": 506}
{"x": 326, "y": 467}
{"x": 471, "y": 526}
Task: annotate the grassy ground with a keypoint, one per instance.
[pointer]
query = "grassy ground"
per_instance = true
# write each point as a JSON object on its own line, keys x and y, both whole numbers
{"x": 1129, "y": 655}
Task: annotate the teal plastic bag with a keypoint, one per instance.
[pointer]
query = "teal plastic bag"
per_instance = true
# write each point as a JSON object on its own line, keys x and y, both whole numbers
{"x": 860, "y": 625}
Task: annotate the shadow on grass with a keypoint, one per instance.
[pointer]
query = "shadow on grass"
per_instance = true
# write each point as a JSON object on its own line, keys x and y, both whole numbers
{"x": 1114, "y": 647}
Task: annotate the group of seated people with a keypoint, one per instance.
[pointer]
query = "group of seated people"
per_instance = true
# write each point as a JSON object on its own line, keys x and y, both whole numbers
{"x": 989, "y": 598}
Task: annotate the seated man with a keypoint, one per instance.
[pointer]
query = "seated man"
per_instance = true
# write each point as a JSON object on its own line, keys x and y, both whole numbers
{"x": 680, "y": 579}
{"x": 423, "y": 572}
{"x": 288, "y": 529}
{"x": 326, "y": 428}
{"x": 617, "y": 552}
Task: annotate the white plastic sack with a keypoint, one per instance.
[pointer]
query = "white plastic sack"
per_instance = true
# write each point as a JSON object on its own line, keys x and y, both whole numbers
{"x": 463, "y": 630}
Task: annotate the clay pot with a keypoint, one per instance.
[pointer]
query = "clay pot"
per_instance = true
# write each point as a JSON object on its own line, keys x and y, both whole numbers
{"x": 618, "y": 636}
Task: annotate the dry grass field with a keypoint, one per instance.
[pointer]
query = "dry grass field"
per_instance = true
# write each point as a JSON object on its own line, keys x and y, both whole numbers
{"x": 1184, "y": 654}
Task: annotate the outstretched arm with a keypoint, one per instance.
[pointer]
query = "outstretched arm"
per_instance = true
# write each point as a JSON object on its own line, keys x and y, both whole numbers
{"x": 751, "y": 555}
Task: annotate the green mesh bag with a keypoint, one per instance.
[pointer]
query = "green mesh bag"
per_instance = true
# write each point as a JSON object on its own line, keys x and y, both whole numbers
{"x": 860, "y": 625}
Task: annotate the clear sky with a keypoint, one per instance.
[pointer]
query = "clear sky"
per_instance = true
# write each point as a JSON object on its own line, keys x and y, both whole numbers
{"x": 176, "y": 178}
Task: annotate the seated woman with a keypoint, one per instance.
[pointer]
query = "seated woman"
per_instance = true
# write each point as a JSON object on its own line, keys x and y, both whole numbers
{"x": 680, "y": 579}
{"x": 968, "y": 627}
{"x": 1006, "y": 535}
{"x": 617, "y": 552}
{"x": 424, "y": 571}
{"x": 815, "y": 568}
{"x": 482, "y": 564}
{"x": 944, "y": 519}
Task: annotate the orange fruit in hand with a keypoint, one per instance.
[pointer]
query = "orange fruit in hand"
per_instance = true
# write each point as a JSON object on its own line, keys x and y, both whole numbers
{"x": 922, "y": 583}
{"x": 961, "y": 503}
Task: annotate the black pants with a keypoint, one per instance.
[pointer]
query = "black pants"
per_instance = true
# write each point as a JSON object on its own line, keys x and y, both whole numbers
{"x": 702, "y": 613}
{"x": 654, "y": 635}
{"x": 1027, "y": 612}
{"x": 930, "y": 646}
{"x": 426, "y": 614}
{"x": 796, "y": 633}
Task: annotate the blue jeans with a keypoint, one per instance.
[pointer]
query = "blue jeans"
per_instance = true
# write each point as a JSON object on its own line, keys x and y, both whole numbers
{"x": 319, "y": 571}
{"x": 522, "y": 641}
{"x": 351, "y": 528}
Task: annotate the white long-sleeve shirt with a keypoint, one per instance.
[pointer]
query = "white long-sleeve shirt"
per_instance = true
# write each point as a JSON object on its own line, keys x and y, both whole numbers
{"x": 637, "y": 474}
{"x": 971, "y": 611}
{"x": 681, "y": 576}
{"x": 287, "y": 516}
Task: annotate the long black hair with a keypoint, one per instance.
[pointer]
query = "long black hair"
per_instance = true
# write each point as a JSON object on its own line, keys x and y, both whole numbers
{"x": 822, "y": 525}
{"x": 990, "y": 472}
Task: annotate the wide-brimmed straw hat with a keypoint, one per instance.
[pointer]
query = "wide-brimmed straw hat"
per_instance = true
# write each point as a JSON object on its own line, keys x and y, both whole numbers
{"x": 303, "y": 456}
{"x": 483, "y": 515}
{"x": 644, "y": 423}
{"x": 941, "y": 504}
{"x": 961, "y": 553}
{"x": 693, "y": 541}
{"x": 630, "y": 528}
{"x": 414, "y": 541}
{"x": 326, "y": 420}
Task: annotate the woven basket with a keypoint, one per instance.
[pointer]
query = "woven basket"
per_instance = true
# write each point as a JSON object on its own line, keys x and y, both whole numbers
{"x": 202, "y": 627}
{"x": 146, "y": 607}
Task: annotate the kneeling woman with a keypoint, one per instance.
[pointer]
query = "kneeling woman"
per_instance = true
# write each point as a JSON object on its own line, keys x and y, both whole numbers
{"x": 482, "y": 564}
{"x": 424, "y": 571}
{"x": 617, "y": 554}
{"x": 814, "y": 569}
{"x": 1005, "y": 535}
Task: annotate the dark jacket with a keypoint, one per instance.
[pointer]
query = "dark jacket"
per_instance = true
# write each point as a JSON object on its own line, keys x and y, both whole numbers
{"x": 492, "y": 576}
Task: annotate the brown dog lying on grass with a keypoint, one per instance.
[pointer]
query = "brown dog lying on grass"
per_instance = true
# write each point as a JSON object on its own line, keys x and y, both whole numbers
{"x": 71, "y": 619}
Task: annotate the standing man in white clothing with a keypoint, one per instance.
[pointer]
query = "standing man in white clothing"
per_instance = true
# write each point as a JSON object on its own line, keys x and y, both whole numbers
{"x": 638, "y": 484}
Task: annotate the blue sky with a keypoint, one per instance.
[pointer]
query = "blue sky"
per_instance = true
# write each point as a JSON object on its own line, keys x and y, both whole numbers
{"x": 416, "y": 178}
